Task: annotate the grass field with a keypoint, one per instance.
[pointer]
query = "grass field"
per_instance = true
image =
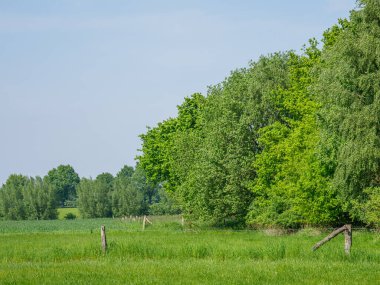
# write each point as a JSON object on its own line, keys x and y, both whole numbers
{"x": 62, "y": 212}
{"x": 69, "y": 252}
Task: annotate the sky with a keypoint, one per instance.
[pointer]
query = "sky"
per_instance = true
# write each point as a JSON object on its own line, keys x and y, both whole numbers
{"x": 81, "y": 79}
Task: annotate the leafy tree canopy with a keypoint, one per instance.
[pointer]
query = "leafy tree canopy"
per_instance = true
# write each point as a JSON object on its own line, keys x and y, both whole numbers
{"x": 64, "y": 180}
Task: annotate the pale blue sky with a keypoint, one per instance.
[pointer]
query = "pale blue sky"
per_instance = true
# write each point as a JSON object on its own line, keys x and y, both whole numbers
{"x": 81, "y": 79}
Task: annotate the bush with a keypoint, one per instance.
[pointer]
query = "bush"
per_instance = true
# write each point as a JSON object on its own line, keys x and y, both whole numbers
{"x": 371, "y": 208}
{"x": 70, "y": 216}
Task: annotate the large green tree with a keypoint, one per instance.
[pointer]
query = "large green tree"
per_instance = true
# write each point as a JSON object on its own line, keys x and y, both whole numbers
{"x": 216, "y": 183}
{"x": 158, "y": 143}
{"x": 349, "y": 91}
{"x": 204, "y": 155}
{"x": 292, "y": 186}
{"x": 64, "y": 181}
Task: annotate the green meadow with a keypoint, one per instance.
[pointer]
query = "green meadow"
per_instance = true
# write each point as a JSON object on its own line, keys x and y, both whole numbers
{"x": 69, "y": 252}
{"x": 62, "y": 212}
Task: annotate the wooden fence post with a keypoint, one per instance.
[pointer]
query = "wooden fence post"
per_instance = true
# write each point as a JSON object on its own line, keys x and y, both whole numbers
{"x": 145, "y": 220}
{"x": 104, "y": 238}
{"x": 348, "y": 239}
{"x": 347, "y": 230}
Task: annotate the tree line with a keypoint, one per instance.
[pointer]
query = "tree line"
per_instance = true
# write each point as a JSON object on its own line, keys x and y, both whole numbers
{"x": 291, "y": 140}
{"x": 128, "y": 193}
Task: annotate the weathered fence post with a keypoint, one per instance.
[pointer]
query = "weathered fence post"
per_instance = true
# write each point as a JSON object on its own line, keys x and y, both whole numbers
{"x": 145, "y": 220}
{"x": 348, "y": 239}
{"x": 347, "y": 230}
{"x": 104, "y": 238}
{"x": 183, "y": 221}
{"x": 143, "y": 227}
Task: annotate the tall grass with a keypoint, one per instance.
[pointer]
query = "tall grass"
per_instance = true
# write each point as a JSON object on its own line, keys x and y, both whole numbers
{"x": 69, "y": 252}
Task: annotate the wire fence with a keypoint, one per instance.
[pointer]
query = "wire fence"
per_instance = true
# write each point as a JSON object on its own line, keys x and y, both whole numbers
{"x": 191, "y": 225}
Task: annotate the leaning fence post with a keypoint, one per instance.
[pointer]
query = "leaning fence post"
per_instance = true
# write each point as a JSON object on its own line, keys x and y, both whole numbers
{"x": 347, "y": 230}
{"x": 103, "y": 238}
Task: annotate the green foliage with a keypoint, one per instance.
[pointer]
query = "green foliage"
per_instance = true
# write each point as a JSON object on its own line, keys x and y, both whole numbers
{"x": 205, "y": 154}
{"x": 331, "y": 35}
{"x": 291, "y": 140}
{"x": 158, "y": 143}
{"x": 106, "y": 179}
{"x": 126, "y": 171}
{"x": 164, "y": 204}
{"x": 39, "y": 200}
{"x": 156, "y": 148}
{"x": 217, "y": 185}
{"x": 129, "y": 193}
{"x": 70, "y": 216}
{"x": 64, "y": 180}
{"x": 127, "y": 198}
{"x": 348, "y": 89}
{"x": 368, "y": 210}
{"x": 94, "y": 197}
{"x": 63, "y": 211}
{"x": 291, "y": 188}
{"x": 12, "y": 206}
{"x": 27, "y": 198}
{"x": 140, "y": 182}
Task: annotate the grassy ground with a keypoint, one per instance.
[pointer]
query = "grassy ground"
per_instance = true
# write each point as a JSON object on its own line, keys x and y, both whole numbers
{"x": 62, "y": 212}
{"x": 68, "y": 252}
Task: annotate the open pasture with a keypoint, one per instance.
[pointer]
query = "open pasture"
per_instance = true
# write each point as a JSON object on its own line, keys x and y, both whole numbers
{"x": 69, "y": 252}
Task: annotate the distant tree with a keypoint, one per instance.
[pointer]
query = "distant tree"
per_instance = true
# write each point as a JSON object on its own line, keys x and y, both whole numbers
{"x": 106, "y": 179}
{"x": 127, "y": 198}
{"x": 148, "y": 189}
{"x": 164, "y": 204}
{"x": 103, "y": 188}
{"x": 39, "y": 200}
{"x": 64, "y": 181}
{"x": 95, "y": 196}
{"x": 87, "y": 198}
{"x": 133, "y": 195}
{"x": 27, "y": 198}
{"x": 12, "y": 199}
{"x": 126, "y": 171}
